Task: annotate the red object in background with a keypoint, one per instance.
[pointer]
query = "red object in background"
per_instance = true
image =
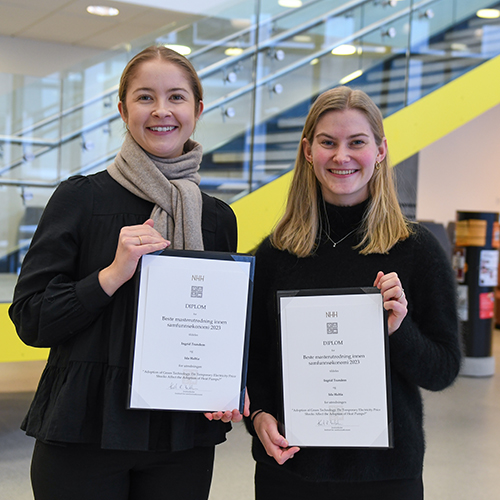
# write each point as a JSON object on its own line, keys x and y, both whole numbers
{"x": 486, "y": 305}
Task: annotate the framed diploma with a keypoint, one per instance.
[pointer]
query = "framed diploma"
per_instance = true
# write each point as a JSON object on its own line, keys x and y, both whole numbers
{"x": 335, "y": 368}
{"x": 192, "y": 331}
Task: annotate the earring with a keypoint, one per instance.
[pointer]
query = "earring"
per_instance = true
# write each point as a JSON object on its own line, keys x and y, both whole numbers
{"x": 377, "y": 165}
{"x": 310, "y": 163}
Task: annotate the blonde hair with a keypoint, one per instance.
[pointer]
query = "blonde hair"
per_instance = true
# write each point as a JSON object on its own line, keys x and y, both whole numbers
{"x": 383, "y": 224}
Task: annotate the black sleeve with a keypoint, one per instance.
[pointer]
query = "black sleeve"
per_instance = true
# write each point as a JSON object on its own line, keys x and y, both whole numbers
{"x": 218, "y": 225}
{"x": 425, "y": 349}
{"x": 51, "y": 302}
{"x": 264, "y": 374}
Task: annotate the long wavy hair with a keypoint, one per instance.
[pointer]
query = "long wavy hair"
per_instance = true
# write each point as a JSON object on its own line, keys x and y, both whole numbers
{"x": 383, "y": 224}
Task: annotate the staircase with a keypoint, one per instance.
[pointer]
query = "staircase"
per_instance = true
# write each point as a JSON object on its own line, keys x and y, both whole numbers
{"x": 257, "y": 94}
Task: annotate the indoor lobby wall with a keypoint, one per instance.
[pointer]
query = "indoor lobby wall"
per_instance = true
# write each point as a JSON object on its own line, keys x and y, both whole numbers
{"x": 461, "y": 171}
{"x": 22, "y": 56}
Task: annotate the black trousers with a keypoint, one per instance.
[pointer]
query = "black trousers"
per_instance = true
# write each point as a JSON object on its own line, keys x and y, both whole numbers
{"x": 273, "y": 483}
{"x": 77, "y": 473}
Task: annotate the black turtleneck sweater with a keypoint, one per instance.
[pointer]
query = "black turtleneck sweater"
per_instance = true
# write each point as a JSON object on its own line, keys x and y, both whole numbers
{"x": 424, "y": 351}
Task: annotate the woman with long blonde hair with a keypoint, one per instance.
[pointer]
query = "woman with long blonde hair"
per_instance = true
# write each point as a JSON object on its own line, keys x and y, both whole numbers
{"x": 342, "y": 228}
{"x": 384, "y": 224}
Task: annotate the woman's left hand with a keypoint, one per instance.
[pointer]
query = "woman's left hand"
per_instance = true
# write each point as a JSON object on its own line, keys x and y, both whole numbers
{"x": 231, "y": 416}
{"x": 394, "y": 299}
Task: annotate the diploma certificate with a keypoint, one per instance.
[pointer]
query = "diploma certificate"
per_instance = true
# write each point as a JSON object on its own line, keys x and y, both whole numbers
{"x": 334, "y": 354}
{"x": 192, "y": 331}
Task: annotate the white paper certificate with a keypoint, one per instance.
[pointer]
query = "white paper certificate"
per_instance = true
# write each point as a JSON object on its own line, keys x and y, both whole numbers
{"x": 335, "y": 368}
{"x": 192, "y": 328}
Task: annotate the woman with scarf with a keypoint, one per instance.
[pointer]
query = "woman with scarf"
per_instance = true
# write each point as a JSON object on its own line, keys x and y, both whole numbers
{"x": 75, "y": 295}
{"x": 343, "y": 227}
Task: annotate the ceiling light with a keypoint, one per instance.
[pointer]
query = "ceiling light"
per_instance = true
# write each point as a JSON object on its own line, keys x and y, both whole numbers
{"x": 291, "y": 4}
{"x": 240, "y": 24}
{"x": 101, "y": 10}
{"x": 488, "y": 13}
{"x": 314, "y": 61}
{"x": 461, "y": 47}
{"x": 351, "y": 76}
{"x": 233, "y": 51}
{"x": 344, "y": 50}
{"x": 302, "y": 38}
{"x": 183, "y": 50}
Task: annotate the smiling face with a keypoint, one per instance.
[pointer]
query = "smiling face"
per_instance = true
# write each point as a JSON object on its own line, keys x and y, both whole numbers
{"x": 344, "y": 152}
{"x": 160, "y": 108}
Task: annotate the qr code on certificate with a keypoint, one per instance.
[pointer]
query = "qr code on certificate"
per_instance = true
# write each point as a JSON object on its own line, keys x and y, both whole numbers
{"x": 197, "y": 292}
{"x": 332, "y": 328}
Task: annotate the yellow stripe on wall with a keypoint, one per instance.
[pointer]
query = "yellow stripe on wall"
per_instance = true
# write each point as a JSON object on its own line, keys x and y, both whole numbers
{"x": 13, "y": 348}
{"x": 448, "y": 108}
{"x": 408, "y": 131}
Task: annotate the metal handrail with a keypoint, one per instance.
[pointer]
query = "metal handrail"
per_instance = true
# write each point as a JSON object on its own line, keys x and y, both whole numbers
{"x": 248, "y": 29}
{"x": 203, "y": 73}
{"x": 51, "y": 119}
{"x": 271, "y": 42}
{"x": 247, "y": 88}
{"x": 64, "y": 139}
{"x": 103, "y": 95}
{"x": 307, "y": 60}
{"x": 45, "y": 184}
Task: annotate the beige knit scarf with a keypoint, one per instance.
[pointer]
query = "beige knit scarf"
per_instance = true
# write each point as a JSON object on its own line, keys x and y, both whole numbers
{"x": 170, "y": 183}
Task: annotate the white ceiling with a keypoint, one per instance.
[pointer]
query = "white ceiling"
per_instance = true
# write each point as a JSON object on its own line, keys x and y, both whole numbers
{"x": 195, "y": 6}
{"x": 67, "y": 21}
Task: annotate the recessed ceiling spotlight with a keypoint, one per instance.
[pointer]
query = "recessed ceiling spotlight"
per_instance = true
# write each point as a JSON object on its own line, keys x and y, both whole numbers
{"x": 488, "y": 13}
{"x": 183, "y": 50}
{"x": 233, "y": 51}
{"x": 302, "y": 38}
{"x": 344, "y": 50}
{"x": 351, "y": 77}
{"x": 101, "y": 10}
{"x": 291, "y": 4}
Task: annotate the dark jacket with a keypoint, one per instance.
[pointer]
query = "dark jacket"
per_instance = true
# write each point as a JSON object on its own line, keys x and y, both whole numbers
{"x": 58, "y": 303}
{"x": 424, "y": 351}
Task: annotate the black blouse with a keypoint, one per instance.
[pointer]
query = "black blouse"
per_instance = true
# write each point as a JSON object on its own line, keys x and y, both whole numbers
{"x": 424, "y": 351}
{"x": 59, "y": 303}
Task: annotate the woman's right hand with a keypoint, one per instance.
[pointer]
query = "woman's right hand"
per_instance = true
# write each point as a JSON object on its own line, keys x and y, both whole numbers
{"x": 266, "y": 427}
{"x": 133, "y": 243}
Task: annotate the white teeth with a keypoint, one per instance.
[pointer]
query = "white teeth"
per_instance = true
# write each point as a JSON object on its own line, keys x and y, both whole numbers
{"x": 162, "y": 129}
{"x": 342, "y": 172}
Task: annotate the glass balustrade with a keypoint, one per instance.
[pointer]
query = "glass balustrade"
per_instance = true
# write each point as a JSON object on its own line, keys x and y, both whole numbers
{"x": 261, "y": 65}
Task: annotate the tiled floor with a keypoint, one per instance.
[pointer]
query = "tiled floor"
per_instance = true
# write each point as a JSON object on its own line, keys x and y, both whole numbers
{"x": 462, "y": 426}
